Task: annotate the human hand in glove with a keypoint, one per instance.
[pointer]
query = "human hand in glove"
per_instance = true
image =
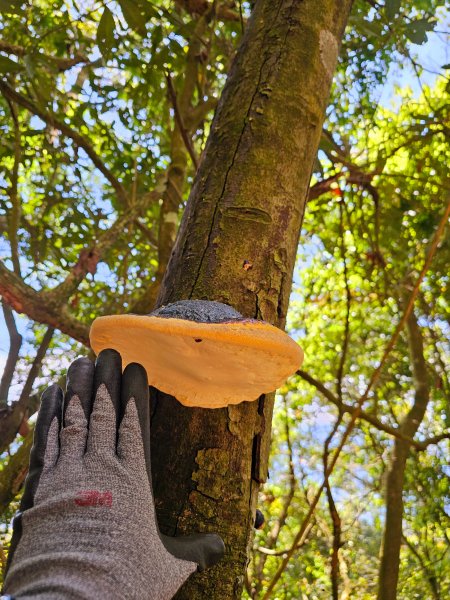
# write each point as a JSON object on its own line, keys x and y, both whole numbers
{"x": 87, "y": 526}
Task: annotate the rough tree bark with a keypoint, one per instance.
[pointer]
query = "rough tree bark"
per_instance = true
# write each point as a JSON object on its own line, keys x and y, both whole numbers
{"x": 237, "y": 244}
{"x": 392, "y": 538}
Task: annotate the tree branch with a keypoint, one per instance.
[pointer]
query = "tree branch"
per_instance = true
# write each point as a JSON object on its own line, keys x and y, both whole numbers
{"x": 335, "y": 518}
{"x": 197, "y": 113}
{"x": 280, "y": 522}
{"x": 223, "y": 12}
{"x": 354, "y": 176}
{"x": 14, "y": 216}
{"x": 340, "y": 371}
{"x": 431, "y": 577}
{"x": 434, "y": 440}
{"x": 90, "y": 256}
{"x": 77, "y": 138}
{"x": 271, "y": 552}
{"x": 148, "y": 233}
{"x": 372, "y": 419}
{"x": 14, "y": 473}
{"x": 176, "y": 174}
{"x": 60, "y": 63}
{"x": 180, "y": 123}
{"x": 15, "y": 342}
{"x": 10, "y": 423}
{"x": 39, "y": 306}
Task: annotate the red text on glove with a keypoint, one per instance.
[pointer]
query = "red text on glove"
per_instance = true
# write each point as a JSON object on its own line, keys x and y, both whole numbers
{"x": 94, "y": 498}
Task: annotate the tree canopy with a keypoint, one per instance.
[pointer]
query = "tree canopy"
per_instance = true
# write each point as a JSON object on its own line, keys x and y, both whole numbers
{"x": 105, "y": 108}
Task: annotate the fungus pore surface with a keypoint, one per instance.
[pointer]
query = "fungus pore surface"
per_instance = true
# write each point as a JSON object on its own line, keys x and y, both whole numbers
{"x": 203, "y": 353}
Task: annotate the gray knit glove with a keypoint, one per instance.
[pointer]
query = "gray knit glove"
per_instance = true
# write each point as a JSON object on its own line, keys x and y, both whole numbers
{"x": 91, "y": 530}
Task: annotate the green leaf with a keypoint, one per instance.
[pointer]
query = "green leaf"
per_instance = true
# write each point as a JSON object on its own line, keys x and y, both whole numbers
{"x": 105, "y": 32}
{"x": 371, "y": 28}
{"x": 134, "y": 15}
{"x": 391, "y": 8}
{"x": 44, "y": 87}
{"x": 9, "y": 66}
{"x": 12, "y": 7}
{"x": 447, "y": 66}
{"x": 148, "y": 9}
{"x": 416, "y": 31}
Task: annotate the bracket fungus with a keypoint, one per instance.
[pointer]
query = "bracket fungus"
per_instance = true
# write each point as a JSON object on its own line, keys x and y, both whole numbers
{"x": 204, "y": 353}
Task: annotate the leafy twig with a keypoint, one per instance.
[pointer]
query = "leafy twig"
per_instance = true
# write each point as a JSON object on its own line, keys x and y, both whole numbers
{"x": 76, "y": 137}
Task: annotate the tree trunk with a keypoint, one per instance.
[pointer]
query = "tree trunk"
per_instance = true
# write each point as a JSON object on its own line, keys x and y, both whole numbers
{"x": 392, "y": 538}
{"x": 237, "y": 244}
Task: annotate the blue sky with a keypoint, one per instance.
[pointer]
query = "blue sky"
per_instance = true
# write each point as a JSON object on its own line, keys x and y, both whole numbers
{"x": 431, "y": 55}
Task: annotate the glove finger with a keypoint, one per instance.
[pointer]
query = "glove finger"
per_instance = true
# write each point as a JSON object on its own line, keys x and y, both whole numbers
{"x": 135, "y": 385}
{"x": 129, "y": 447}
{"x": 80, "y": 383}
{"x": 74, "y": 433}
{"x": 50, "y": 408}
{"x": 204, "y": 549}
{"x": 102, "y": 436}
{"x": 44, "y": 451}
{"x": 77, "y": 408}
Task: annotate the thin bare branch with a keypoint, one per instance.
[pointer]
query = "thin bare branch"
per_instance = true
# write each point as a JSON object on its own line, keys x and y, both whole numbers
{"x": 434, "y": 440}
{"x": 148, "y": 233}
{"x": 197, "y": 113}
{"x": 335, "y": 518}
{"x": 372, "y": 419}
{"x": 59, "y": 62}
{"x": 15, "y": 342}
{"x": 271, "y": 552}
{"x": 15, "y": 213}
{"x": 273, "y": 535}
{"x": 348, "y": 299}
{"x": 180, "y": 122}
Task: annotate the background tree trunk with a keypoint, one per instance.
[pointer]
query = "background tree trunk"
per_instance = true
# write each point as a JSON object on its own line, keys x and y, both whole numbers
{"x": 392, "y": 540}
{"x": 254, "y": 178}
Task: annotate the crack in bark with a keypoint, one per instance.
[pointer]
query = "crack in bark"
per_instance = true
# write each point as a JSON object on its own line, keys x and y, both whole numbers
{"x": 246, "y": 122}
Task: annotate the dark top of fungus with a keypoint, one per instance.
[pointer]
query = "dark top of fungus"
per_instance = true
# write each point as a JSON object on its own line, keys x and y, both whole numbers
{"x": 200, "y": 311}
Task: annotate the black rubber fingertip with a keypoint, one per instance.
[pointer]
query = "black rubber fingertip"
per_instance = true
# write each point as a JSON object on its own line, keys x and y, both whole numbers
{"x": 108, "y": 355}
{"x": 108, "y": 371}
{"x": 204, "y": 549}
{"x": 259, "y": 519}
{"x": 50, "y": 407}
{"x": 81, "y": 363}
{"x": 215, "y": 550}
{"x": 135, "y": 385}
{"x": 134, "y": 382}
{"x": 80, "y": 382}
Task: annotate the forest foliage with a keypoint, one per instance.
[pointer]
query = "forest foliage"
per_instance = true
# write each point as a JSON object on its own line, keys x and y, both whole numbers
{"x": 105, "y": 108}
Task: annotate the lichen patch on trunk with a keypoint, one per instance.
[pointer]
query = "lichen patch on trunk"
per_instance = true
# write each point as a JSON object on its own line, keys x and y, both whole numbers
{"x": 328, "y": 51}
